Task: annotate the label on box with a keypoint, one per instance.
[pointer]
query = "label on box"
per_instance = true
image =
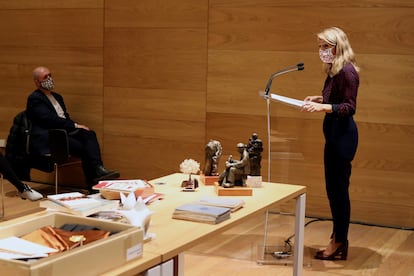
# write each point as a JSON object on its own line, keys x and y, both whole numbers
{"x": 134, "y": 252}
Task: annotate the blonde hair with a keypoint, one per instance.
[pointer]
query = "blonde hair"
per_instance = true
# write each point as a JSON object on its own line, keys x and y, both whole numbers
{"x": 344, "y": 53}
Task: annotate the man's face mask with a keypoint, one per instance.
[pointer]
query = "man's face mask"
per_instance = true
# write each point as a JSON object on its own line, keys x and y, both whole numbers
{"x": 48, "y": 84}
{"x": 326, "y": 55}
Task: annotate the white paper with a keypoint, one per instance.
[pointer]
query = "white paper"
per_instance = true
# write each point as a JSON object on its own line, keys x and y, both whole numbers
{"x": 134, "y": 251}
{"x": 285, "y": 100}
{"x": 17, "y": 248}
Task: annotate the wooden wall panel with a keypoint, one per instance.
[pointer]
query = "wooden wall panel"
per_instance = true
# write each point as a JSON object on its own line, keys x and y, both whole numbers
{"x": 153, "y": 132}
{"x": 386, "y": 87}
{"x": 67, "y": 38}
{"x": 57, "y": 4}
{"x": 155, "y": 70}
{"x": 53, "y": 28}
{"x": 155, "y": 58}
{"x": 242, "y": 75}
{"x": 282, "y": 28}
{"x": 156, "y": 14}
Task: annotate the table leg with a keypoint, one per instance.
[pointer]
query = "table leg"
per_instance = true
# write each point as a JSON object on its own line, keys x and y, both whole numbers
{"x": 299, "y": 235}
{"x": 265, "y": 231}
{"x": 180, "y": 262}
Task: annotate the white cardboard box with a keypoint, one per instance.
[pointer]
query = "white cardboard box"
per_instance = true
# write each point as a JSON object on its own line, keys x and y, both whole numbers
{"x": 91, "y": 259}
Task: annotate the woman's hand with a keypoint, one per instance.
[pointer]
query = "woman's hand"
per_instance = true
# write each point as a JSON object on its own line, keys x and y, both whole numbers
{"x": 310, "y": 106}
{"x": 315, "y": 99}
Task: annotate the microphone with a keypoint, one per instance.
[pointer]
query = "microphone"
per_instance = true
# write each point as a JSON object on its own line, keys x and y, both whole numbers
{"x": 298, "y": 67}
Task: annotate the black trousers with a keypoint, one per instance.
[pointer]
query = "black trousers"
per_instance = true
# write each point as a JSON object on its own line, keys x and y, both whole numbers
{"x": 84, "y": 144}
{"x": 9, "y": 174}
{"x": 341, "y": 141}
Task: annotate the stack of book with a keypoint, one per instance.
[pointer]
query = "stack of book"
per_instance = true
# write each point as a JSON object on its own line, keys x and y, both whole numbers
{"x": 78, "y": 203}
{"x": 233, "y": 203}
{"x": 201, "y": 213}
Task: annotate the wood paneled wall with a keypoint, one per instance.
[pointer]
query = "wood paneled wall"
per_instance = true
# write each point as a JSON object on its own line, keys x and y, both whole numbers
{"x": 158, "y": 79}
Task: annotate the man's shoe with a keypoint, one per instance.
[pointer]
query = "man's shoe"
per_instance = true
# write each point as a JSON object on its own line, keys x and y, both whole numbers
{"x": 103, "y": 174}
{"x": 29, "y": 193}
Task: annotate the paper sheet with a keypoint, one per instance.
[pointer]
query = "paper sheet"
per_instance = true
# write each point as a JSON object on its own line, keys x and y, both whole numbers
{"x": 286, "y": 100}
{"x": 17, "y": 248}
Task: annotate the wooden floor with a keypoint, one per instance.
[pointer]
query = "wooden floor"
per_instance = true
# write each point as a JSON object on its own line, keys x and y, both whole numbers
{"x": 239, "y": 251}
{"x": 373, "y": 250}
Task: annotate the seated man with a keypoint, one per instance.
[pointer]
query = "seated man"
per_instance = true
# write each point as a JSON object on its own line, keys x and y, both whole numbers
{"x": 25, "y": 191}
{"x": 46, "y": 110}
{"x": 236, "y": 171}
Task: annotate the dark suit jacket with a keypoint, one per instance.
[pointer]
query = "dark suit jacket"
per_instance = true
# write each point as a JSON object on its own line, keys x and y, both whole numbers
{"x": 43, "y": 117}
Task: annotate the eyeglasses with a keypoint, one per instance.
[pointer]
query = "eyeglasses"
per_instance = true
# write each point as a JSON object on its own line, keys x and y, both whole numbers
{"x": 42, "y": 78}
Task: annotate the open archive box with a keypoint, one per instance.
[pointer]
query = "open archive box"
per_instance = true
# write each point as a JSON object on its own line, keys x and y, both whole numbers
{"x": 125, "y": 244}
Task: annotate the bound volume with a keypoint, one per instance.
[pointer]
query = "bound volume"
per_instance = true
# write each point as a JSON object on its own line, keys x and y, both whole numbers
{"x": 201, "y": 213}
{"x": 111, "y": 189}
{"x": 233, "y": 203}
{"x": 74, "y": 200}
{"x": 78, "y": 204}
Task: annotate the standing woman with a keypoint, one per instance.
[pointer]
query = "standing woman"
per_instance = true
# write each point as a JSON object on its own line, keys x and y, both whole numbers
{"x": 338, "y": 101}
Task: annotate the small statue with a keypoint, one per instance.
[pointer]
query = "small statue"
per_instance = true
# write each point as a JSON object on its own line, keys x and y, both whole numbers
{"x": 236, "y": 171}
{"x": 255, "y": 149}
{"x": 189, "y": 166}
{"x": 213, "y": 152}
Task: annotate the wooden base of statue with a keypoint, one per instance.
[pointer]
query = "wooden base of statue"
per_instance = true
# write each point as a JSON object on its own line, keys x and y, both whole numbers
{"x": 254, "y": 181}
{"x": 208, "y": 180}
{"x": 233, "y": 191}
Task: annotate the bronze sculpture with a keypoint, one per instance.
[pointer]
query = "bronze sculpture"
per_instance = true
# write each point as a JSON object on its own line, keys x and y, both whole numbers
{"x": 255, "y": 149}
{"x": 236, "y": 171}
{"x": 213, "y": 152}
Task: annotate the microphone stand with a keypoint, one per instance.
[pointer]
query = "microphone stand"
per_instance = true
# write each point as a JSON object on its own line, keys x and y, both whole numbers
{"x": 298, "y": 67}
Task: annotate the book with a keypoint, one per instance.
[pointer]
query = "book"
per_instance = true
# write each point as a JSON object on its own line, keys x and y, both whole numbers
{"x": 201, "y": 213}
{"x": 104, "y": 205}
{"x": 111, "y": 215}
{"x": 121, "y": 185}
{"x": 111, "y": 189}
{"x": 233, "y": 203}
{"x": 151, "y": 198}
{"x": 74, "y": 200}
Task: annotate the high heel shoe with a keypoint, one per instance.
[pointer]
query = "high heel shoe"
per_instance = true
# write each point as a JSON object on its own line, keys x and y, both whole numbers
{"x": 341, "y": 252}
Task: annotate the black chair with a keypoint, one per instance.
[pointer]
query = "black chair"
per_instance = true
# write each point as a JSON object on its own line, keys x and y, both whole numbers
{"x": 59, "y": 152}
{"x": 22, "y": 161}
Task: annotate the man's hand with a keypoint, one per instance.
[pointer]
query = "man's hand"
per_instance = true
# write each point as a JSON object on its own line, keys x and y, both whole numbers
{"x": 82, "y": 126}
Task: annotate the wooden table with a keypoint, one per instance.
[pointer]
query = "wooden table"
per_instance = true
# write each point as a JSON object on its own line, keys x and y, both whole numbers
{"x": 174, "y": 236}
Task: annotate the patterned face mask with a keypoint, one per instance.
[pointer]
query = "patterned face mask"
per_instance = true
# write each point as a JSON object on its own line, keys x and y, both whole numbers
{"x": 48, "y": 84}
{"x": 326, "y": 55}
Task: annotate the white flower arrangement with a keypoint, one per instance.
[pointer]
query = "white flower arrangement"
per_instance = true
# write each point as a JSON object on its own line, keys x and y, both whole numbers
{"x": 189, "y": 166}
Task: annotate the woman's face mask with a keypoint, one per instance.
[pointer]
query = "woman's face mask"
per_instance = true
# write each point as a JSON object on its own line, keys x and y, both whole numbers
{"x": 48, "y": 83}
{"x": 326, "y": 55}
